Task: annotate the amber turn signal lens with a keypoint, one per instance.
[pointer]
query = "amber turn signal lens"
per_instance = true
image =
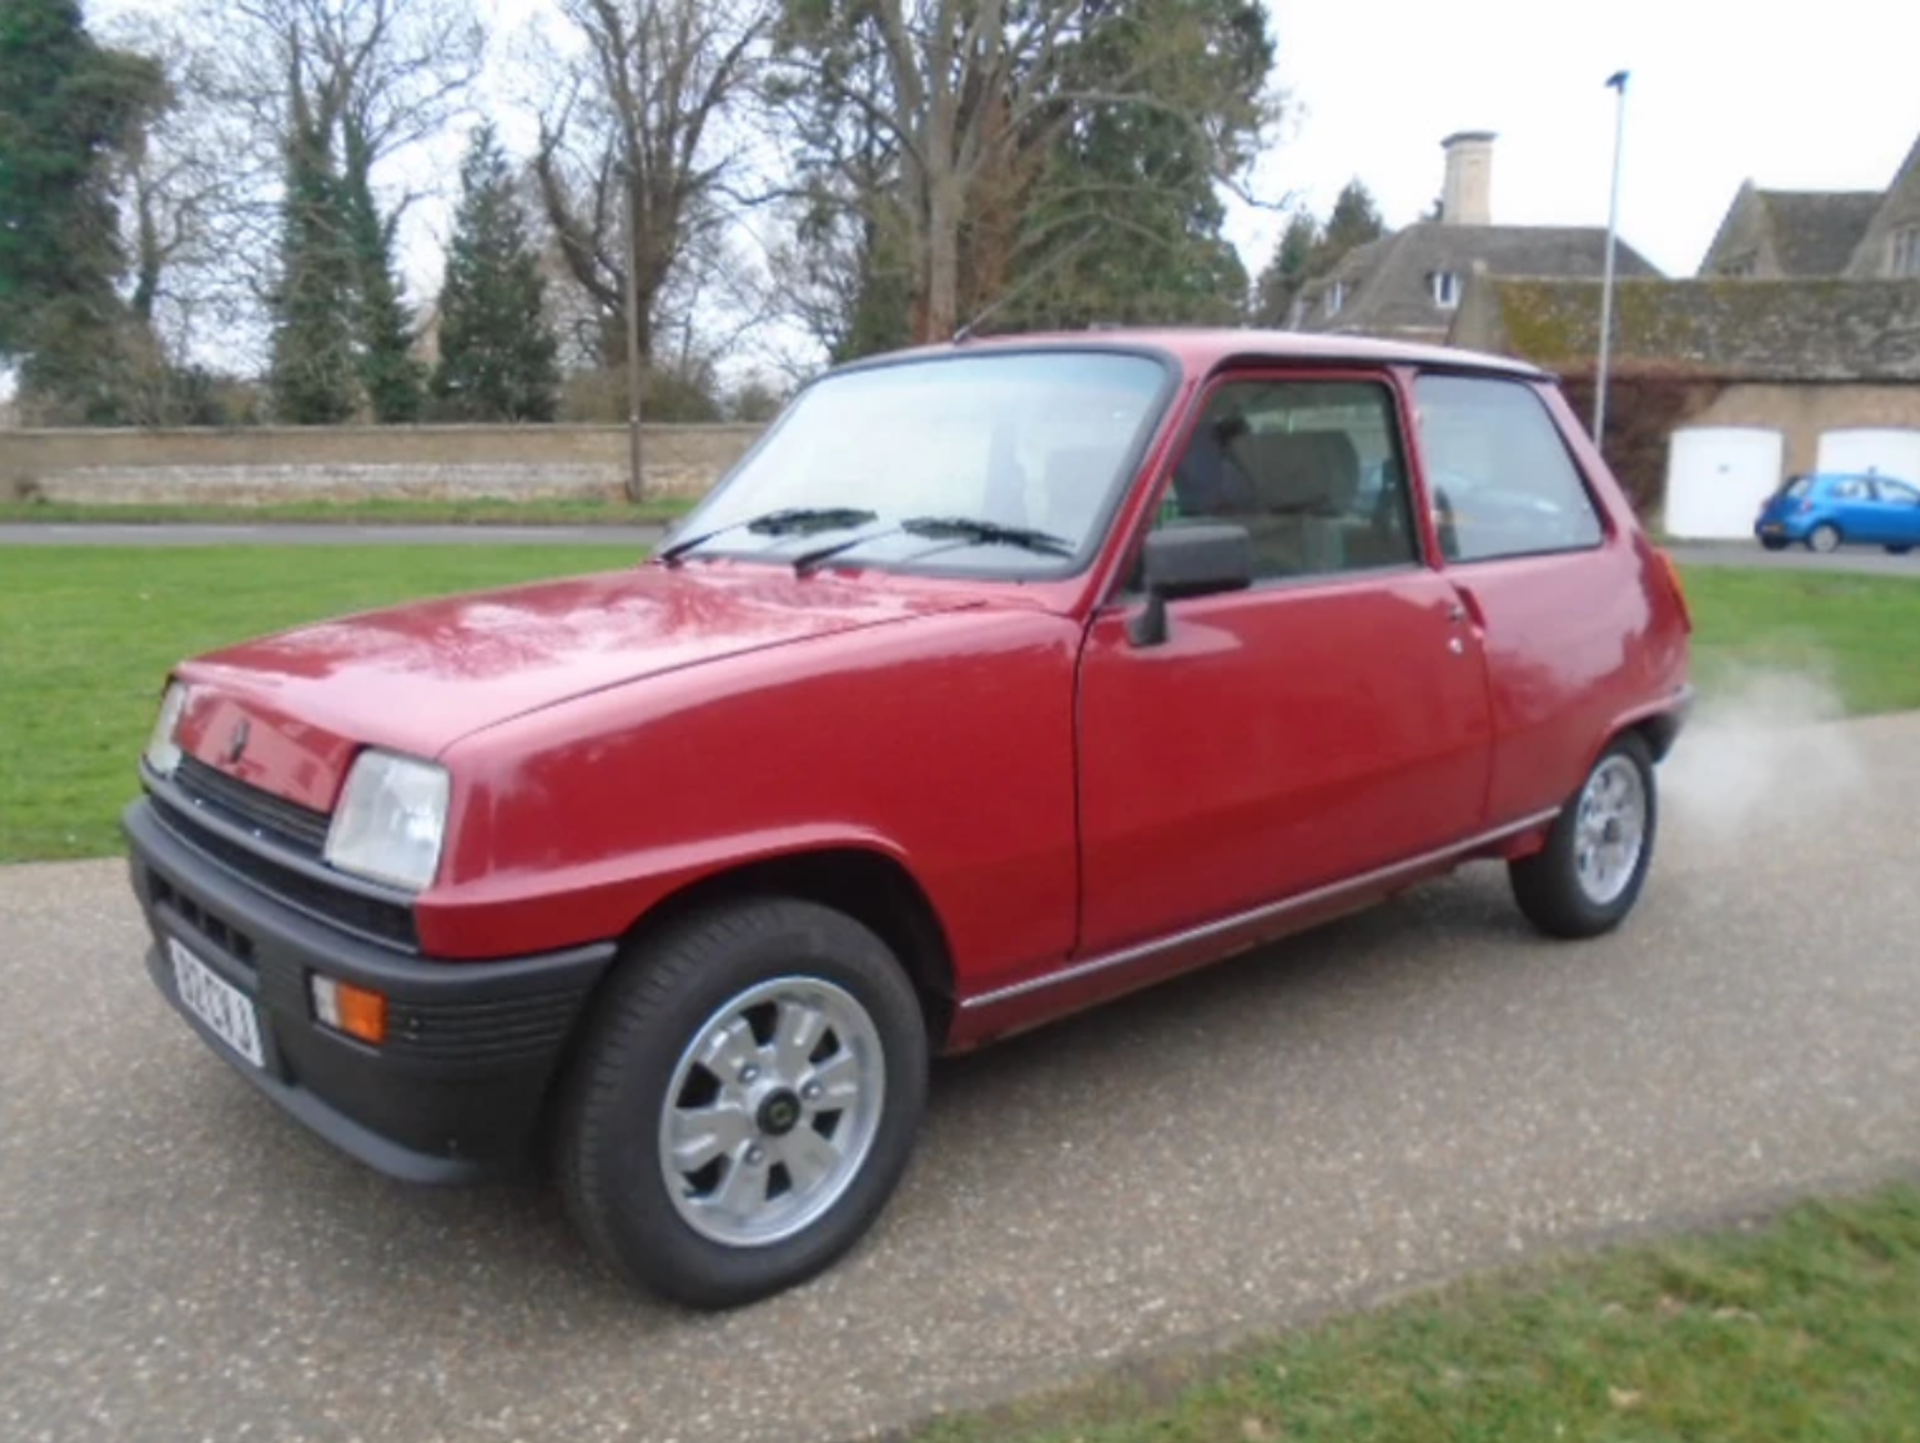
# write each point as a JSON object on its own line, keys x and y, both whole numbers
{"x": 349, "y": 1009}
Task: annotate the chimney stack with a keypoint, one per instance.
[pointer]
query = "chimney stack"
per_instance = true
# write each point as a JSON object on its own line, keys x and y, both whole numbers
{"x": 1468, "y": 196}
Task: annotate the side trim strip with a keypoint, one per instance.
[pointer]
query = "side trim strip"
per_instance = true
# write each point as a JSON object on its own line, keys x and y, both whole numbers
{"x": 1142, "y": 950}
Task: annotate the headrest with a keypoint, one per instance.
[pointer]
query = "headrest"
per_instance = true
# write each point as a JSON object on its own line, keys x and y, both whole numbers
{"x": 1301, "y": 471}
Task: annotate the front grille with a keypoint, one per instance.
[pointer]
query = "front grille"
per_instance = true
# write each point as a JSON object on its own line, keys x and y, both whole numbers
{"x": 390, "y": 923}
{"x": 295, "y": 826}
{"x": 518, "y": 1030}
{"x": 216, "y": 929}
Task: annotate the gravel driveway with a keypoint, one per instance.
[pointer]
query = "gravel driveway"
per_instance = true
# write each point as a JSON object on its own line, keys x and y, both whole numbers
{"x": 1417, "y": 1091}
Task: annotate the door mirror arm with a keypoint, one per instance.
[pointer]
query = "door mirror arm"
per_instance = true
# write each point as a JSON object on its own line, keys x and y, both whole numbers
{"x": 1185, "y": 561}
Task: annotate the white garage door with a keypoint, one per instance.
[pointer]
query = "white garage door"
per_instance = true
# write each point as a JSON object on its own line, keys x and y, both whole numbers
{"x": 1717, "y": 477}
{"x": 1891, "y": 453}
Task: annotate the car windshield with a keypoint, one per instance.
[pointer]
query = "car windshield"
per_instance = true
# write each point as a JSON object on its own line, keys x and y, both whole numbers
{"x": 990, "y": 465}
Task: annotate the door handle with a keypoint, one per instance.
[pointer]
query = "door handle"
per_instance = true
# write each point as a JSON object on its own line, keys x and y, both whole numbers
{"x": 1466, "y": 607}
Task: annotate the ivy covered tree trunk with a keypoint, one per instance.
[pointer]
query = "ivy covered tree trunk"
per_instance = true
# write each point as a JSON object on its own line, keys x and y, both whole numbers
{"x": 69, "y": 109}
{"x": 314, "y": 372}
{"x": 389, "y": 375}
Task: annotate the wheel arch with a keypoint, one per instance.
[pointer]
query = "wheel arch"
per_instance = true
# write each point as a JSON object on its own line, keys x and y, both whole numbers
{"x": 869, "y": 886}
{"x": 1659, "y": 731}
{"x": 1658, "y": 724}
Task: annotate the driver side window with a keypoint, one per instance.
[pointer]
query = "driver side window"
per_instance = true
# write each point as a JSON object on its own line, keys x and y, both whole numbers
{"x": 1313, "y": 469}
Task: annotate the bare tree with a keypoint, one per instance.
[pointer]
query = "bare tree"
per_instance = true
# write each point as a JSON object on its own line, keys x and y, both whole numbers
{"x": 975, "y": 93}
{"x": 180, "y": 189}
{"x": 636, "y": 152}
{"x": 390, "y": 74}
{"x": 378, "y": 78}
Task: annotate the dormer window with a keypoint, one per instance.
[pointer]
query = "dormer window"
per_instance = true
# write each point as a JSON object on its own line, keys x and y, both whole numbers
{"x": 1445, "y": 286}
{"x": 1904, "y": 257}
{"x": 1336, "y": 297}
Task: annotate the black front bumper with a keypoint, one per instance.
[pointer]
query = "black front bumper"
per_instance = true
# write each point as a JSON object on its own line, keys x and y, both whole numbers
{"x": 456, "y": 1091}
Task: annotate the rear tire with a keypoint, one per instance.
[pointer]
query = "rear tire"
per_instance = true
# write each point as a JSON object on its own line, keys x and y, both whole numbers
{"x": 1824, "y": 538}
{"x": 1588, "y": 876}
{"x": 745, "y": 1101}
{"x": 1898, "y": 550}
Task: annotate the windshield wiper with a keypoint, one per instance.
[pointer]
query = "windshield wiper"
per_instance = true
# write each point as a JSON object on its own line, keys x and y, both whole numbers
{"x": 807, "y": 562}
{"x": 987, "y": 533}
{"x": 792, "y": 521}
{"x": 941, "y": 528}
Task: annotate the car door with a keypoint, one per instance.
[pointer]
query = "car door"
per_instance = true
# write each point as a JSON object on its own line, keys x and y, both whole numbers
{"x": 1330, "y": 719}
{"x": 1854, "y": 510}
{"x": 1555, "y": 591}
{"x": 1899, "y": 508}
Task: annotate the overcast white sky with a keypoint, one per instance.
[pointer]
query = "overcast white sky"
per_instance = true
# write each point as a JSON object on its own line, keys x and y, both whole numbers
{"x": 1800, "y": 97}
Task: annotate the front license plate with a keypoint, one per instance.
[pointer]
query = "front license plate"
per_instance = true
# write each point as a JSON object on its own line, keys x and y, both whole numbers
{"x": 217, "y": 1002}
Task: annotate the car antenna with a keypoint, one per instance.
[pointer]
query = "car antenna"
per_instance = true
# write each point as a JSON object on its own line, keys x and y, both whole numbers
{"x": 966, "y": 332}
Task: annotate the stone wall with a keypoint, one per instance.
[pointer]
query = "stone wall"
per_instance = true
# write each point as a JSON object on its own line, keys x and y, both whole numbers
{"x": 1802, "y": 412}
{"x": 351, "y": 463}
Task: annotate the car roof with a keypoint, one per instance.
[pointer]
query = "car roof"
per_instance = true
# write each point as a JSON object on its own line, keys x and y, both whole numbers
{"x": 1205, "y": 348}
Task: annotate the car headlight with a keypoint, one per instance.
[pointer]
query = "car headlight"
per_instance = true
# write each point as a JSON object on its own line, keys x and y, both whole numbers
{"x": 163, "y": 752}
{"x": 391, "y": 820}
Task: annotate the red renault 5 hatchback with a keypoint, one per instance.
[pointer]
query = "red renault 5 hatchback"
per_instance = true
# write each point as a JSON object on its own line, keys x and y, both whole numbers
{"x": 998, "y": 679}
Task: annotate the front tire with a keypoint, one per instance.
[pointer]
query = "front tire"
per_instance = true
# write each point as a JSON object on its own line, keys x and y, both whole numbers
{"x": 1774, "y": 543}
{"x": 745, "y": 1101}
{"x": 1588, "y": 876}
{"x": 1900, "y": 550}
{"x": 1824, "y": 538}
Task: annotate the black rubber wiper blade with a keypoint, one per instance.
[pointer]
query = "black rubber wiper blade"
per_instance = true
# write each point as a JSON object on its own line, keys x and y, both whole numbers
{"x": 987, "y": 533}
{"x": 807, "y": 562}
{"x": 791, "y": 521}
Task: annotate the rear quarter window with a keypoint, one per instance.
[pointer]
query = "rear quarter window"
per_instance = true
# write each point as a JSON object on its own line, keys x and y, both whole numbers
{"x": 1499, "y": 476}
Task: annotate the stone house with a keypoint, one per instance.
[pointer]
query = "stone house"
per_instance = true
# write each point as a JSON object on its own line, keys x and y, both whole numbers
{"x": 1796, "y": 348}
{"x": 1409, "y": 284}
{"x": 1859, "y": 235}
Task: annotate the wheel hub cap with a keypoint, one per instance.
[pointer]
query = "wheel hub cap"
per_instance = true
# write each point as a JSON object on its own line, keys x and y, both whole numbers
{"x": 1610, "y": 830}
{"x": 779, "y": 1113}
{"x": 771, "y": 1111}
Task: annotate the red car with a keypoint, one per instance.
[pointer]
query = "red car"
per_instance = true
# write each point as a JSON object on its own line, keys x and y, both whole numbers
{"x": 1000, "y": 678}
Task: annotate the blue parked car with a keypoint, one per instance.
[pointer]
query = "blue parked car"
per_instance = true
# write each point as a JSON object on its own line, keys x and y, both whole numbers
{"x": 1823, "y": 512}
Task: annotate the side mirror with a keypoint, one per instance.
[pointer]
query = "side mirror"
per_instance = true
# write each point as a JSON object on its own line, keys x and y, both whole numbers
{"x": 1189, "y": 561}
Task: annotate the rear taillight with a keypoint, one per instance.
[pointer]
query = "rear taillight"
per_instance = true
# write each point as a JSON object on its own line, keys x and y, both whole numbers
{"x": 1671, "y": 570}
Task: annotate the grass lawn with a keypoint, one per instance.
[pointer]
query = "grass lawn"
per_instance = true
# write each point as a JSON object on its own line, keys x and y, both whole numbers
{"x": 1860, "y": 633}
{"x": 87, "y": 634}
{"x": 1807, "y": 1328}
{"x": 480, "y": 512}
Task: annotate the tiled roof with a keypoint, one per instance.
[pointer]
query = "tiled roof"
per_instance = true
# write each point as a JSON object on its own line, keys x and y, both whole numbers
{"x": 1815, "y": 231}
{"x": 1788, "y": 330}
{"x": 1388, "y": 281}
